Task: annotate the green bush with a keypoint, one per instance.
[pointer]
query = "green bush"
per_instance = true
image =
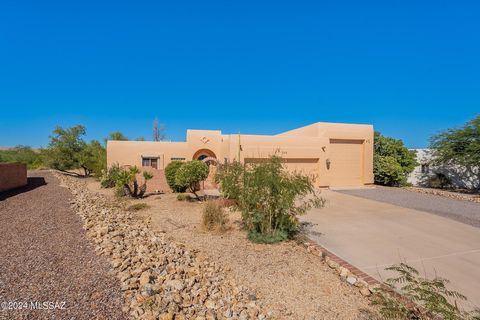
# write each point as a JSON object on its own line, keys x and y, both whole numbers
{"x": 271, "y": 199}
{"x": 170, "y": 174}
{"x": 109, "y": 176}
{"x": 34, "y": 159}
{"x": 392, "y": 161}
{"x": 214, "y": 216}
{"x": 229, "y": 177}
{"x": 432, "y": 299}
{"x": 190, "y": 174}
{"x": 388, "y": 171}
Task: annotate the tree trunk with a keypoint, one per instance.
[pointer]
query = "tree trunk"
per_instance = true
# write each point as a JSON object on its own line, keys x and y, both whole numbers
{"x": 142, "y": 190}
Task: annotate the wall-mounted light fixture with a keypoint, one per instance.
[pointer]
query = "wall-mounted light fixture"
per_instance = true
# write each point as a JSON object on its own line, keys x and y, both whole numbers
{"x": 328, "y": 162}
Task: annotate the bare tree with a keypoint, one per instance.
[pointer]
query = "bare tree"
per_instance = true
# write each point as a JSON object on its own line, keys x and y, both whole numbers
{"x": 158, "y": 131}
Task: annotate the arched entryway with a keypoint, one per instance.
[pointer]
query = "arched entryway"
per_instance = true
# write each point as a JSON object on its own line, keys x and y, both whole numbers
{"x": 209, "y": 157}
{"x": 204, "y": 153}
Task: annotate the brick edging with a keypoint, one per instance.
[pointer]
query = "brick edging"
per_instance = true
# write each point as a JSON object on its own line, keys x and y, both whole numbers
{"x": 365, "y": 283}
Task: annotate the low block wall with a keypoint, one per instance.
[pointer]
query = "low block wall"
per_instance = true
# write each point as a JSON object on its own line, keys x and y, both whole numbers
{"x": 12, "y": 175}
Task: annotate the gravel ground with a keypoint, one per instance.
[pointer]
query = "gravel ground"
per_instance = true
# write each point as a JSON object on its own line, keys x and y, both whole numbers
{"x": 45, "y": 257}
{"x": 293, "y": 282}
{"x": 462, "y": 211}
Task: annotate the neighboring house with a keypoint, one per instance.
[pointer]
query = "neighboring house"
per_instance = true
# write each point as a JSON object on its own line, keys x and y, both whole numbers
{"x": 334, "y": 154}
{"x": 426, "y": 170}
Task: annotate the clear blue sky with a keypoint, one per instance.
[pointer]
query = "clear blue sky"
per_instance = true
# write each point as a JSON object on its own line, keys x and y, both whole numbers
{"x": 411, "y": 68}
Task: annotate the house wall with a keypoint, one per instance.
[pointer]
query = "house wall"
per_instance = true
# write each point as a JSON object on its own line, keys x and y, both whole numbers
{"x": 306, "y": 149}
{"x": 459, "y": 177}
{"x": 12, "y": 175}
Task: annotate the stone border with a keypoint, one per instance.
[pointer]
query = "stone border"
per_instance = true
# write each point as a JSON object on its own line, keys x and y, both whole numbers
{"x": 349, "y": 273}
{"x": 475, "y": 198}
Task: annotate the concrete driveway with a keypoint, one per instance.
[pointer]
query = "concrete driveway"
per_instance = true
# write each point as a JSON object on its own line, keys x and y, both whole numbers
{"x": 372, "y": 235}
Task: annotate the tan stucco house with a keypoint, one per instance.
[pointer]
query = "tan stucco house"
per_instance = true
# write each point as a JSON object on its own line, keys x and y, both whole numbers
{"x": 335, "y": 154}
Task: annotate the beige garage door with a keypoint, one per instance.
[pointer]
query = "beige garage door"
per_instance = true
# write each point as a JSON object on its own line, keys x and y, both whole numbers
{"x": 346, "y": 162}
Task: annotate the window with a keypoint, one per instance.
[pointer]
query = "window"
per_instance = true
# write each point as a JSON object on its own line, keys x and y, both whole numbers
{"x": 425, "y": 168}
{"x": 150, "y": 162}
{"x": 177, "y": 159}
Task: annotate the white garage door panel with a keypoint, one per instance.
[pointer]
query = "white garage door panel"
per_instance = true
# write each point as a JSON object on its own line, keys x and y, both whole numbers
{"x": 346, "y": 162}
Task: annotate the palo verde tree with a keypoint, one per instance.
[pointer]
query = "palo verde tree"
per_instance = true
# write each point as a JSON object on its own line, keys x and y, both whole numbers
{"x": 67, "y": 151}
{"x": 460, "y": 147}
{"x": 392, "y": 161}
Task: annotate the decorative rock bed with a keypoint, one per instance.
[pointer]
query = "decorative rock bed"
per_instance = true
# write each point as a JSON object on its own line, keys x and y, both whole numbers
{"x": 160, "y": 279}
{"x": 446, "y": 194}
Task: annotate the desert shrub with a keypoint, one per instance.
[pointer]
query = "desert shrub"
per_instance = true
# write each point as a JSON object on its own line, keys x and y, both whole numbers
{"x": 190, "y": 174}
{"x": 214, "y": 216}
{"x": 229, "y": 177}
{"x": 271, "y": 200}
{"x": 439, "y": 181}
{"x": 109, "y": 176}
{"x": 138, "y": 206}
{"x": 170, "y": 174}
{"x": 33, "y": 158}
{"x": 392, "y": 161}
{"x": 126, "y": 183}
{"x": 431, "y": 298}
{"x": 182, "y": 197}
{"x": 388, "y": 171}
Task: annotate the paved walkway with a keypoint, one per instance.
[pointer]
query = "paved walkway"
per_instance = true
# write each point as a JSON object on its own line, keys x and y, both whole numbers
{"x": 462, "y": 211}
{"x": 372, "y": 235}
{"x": 45, "y": 258}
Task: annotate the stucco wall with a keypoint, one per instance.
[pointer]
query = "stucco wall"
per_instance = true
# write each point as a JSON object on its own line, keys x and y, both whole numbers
{"x": 305, "y": 149}
{"x": 459, "y": 177}
{"x": 12, "y": 175}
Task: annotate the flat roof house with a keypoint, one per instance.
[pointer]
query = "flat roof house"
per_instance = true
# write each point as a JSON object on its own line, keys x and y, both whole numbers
{"x": 336, "y": 154}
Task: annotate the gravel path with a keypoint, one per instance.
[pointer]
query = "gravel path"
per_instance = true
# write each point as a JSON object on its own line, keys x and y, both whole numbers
{"x": 45, "y": 257}
{"x": 462, "y": 211}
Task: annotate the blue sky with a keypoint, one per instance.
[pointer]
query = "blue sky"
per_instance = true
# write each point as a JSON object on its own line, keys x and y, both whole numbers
{"x": 410, "y": 68}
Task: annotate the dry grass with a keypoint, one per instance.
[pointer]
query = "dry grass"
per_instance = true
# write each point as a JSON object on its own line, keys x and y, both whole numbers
{"x": 138, "y": 206}
{"x": 214, "y": 216}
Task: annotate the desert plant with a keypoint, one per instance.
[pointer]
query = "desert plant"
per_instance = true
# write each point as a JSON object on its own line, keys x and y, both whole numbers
{"x": 170, "y": 174}
{"x": 127, "y": 185}
{"x": 143, "y": 188}
{"x": 392, "y": 161}
{"x": 214, "y": 216}
{"x": 421, "y": 298}
{"x": 33, "y": 158}
{"x": 190, "y": 174}
{"x": 229, "y": 177}
{"x": 271, "y": 199}
{"x": 109, "y": 176}
{"x": 388, "y": 171}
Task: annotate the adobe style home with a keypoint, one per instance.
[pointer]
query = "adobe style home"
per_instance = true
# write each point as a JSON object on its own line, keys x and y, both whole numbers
{"x": 335, "y": 154}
